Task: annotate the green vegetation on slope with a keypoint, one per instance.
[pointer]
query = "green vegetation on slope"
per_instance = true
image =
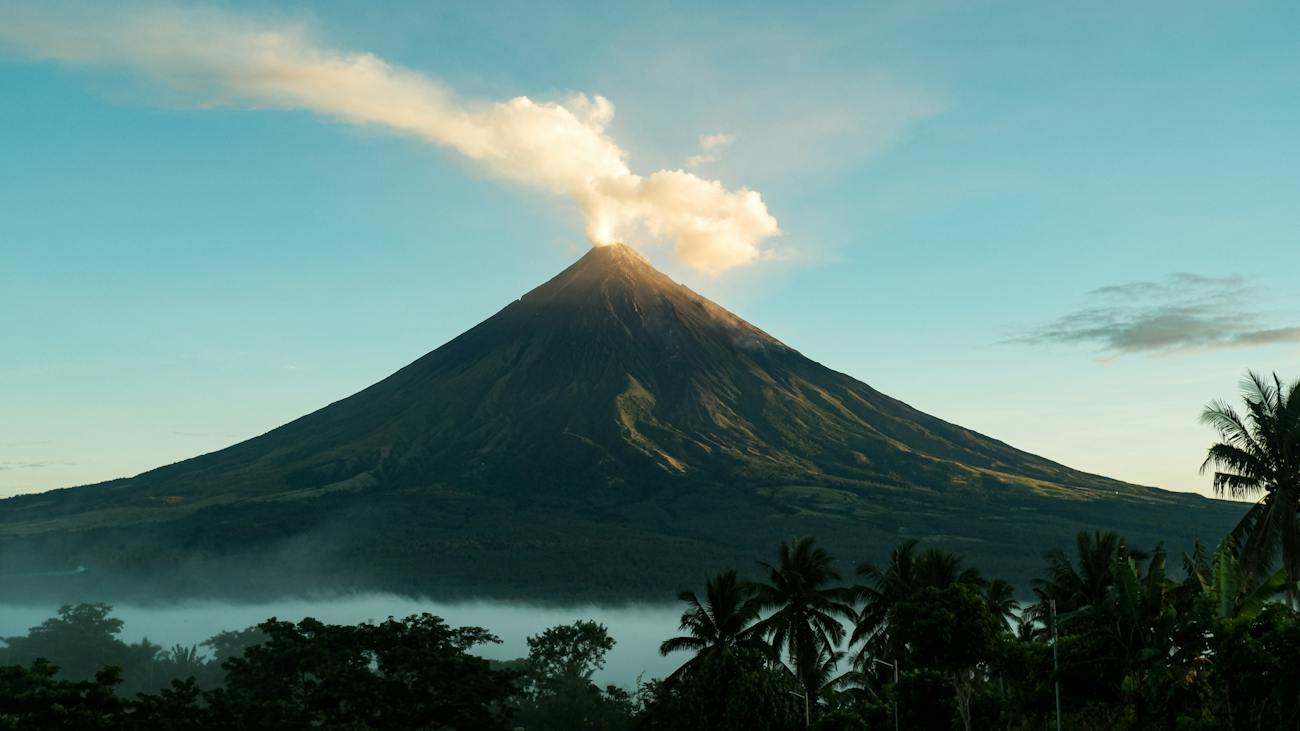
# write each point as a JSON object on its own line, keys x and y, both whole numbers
{"x": 608, "y": 416}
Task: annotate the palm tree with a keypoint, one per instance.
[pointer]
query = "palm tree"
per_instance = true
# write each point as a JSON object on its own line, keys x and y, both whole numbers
{"x": 1001, "y": 598}
{"x": 824, "y": 676}
{"x": 1113, "y": 607}
{"x": 185, "y": 661}
{"x": 890, "y": 585}
{"x": 906, "y": 574}
{"x": 939, "y": 568}
{"x": 1260, "y": 455}
{"x": 1219, "y": 580}
{"x": 1073, "y": 586}
{"x": 724, "y": 619}
{"x": 805, "y": 624}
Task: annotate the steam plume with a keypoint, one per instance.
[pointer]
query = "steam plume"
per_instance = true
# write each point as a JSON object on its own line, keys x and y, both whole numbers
{"x": 558, "y": 146}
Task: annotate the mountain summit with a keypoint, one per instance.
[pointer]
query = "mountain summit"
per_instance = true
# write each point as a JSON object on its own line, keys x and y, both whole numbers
{"x": 610, "y": 433}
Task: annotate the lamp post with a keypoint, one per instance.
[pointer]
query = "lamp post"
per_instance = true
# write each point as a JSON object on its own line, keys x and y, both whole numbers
{"x": 807, "y": 718}
{"x": 894, "y": 665}
{"x": 1056, "y": 666}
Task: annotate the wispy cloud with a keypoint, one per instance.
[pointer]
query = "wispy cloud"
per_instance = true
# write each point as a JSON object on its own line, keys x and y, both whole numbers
{"x": 562, "y": 146}
{"x": 1181, "y": 312}
{"x": 710, "y": 146}
{"x": 6, "y": 465}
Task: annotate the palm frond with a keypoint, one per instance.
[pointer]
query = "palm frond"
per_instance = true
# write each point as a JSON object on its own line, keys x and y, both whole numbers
{"x": 678, "y": 644}
{"x": 1229, "y": 424}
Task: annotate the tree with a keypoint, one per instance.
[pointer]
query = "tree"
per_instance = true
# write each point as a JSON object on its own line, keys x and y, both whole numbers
{"x": 925, "y": 700}
{"x": 907, "y": 574}
{"x": 1128, "y": 643}
{"x": 733, "y": 689}
{"x": 574, "y": 651}
{"x": 1259, "y": 455}
{"x": 1090, "y": 664}
{"x": 181, "y": 662}
{"x": 560, "y": 694}
{"x": 724, "y": 619}
{"x": 807, "y": 610}
{"x": 1219, "y": 584}
{"x": 1255, "y": 662}
{"x": 1151, "y": 641}
{"x": 415, "y": 673}
{"x": 1001, "y": 598}
{"x": 180, "y": 707}
{"x": 950, "y": 630}
{"x": 1084, "y": 581}
{"x": 82, "y": 640}
{"x": 34, "y": 698}
{"x": 227, "y": 645}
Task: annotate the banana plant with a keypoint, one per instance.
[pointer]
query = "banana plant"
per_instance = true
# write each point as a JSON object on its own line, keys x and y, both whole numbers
{"x": 1225, "y": 583}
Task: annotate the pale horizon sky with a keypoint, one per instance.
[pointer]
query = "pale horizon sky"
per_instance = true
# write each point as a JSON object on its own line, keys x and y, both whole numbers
{"x": 1068, "y": 228}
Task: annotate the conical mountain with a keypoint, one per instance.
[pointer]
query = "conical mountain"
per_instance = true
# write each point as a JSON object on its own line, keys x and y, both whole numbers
{"x": 611, "y": 432}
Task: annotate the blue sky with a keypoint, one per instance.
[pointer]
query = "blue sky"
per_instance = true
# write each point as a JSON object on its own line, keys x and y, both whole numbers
{"x": 953, "y": 185}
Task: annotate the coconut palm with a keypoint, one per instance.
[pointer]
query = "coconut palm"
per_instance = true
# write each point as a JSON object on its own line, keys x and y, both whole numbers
{"x": 939, "y": 568}
{"x": 807, "y": 609}
{"x": 824, "y": 675}
{"x": 1260, "y": 456}
{"x": 907, "y": 573}
{"x": 1028, "y": 625}
{"x": 725, "y": 618}
{"x": 1001, "y": 598}
{"x": 1074, "y": 585}
{"x": 1116, "y": 606}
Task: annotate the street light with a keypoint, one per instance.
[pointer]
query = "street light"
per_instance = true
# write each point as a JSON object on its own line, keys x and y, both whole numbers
{"x": 893, "y": 665}
{"x": 807, "y": 719}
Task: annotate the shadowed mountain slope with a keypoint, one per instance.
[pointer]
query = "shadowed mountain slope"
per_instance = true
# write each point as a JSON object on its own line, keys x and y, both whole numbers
{"x": 611, "y": 433}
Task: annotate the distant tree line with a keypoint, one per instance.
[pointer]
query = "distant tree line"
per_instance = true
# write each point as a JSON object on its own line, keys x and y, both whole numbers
{"x": 1111, "y": 639}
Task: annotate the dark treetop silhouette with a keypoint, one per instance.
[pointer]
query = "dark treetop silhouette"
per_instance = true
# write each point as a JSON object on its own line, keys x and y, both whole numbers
{"x": 1260, "y": 457}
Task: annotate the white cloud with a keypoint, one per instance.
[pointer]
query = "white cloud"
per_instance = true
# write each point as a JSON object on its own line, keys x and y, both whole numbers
{"x": 560, "y": 146}
{"x": 710, "y": 145}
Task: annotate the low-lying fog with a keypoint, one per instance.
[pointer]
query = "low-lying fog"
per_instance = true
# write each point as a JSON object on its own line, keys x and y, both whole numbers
{"x": 637, "y": 630}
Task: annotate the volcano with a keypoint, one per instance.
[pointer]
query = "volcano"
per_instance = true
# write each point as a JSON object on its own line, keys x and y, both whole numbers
{"x": 611, "y": 434}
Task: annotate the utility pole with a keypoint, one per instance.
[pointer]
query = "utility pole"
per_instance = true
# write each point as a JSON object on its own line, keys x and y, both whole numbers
{"x": 893, "y": 665}
{"x": 895, "y": 693}
{"x": 1056, "y": 665}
